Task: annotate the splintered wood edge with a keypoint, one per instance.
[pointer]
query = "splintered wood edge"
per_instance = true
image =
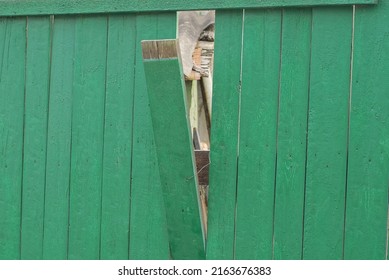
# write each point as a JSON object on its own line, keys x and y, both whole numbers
{"x": 160, "y": 49}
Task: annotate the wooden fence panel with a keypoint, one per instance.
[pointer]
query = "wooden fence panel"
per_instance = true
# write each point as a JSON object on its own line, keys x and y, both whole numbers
{"x": 12, "y": 79}
{"x": 368, "y": 176}
{"x": 327, "y": 133}
{"x": 115, "y": 214}
{"x": 258, "y": 134}
{"x": 291, "y": 138}
{"x": 225, "y": 121}
{"x": 148, "y": 231}
{"x": 56, "y": 218}
{"x": 87, "y": 137}
{"x": 38, "y": 55}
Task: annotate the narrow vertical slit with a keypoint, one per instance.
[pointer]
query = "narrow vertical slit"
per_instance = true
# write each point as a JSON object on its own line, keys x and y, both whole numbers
{"x": 51, "y": 33}
{"x": 238, "y": 142}
{"x": 277, "y": 126}
{"x": 23, "y": 141}
{"x": 132, "y": 130}
{"x": 307, "y": 140}
{"x": 103, "y": 144}
{"x": 348, "y": 128}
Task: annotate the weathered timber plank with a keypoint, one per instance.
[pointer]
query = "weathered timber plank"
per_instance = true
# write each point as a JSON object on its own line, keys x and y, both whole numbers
{"x": 40, "y": 7}
{"x": 35, "y": 135}
{"x": 165, "y": 86}
{"x": 55, "y": 242}
{"x": 368, "y": 169}
{"x": 292, "y": 133}
{"x": 224, "y": 141}
{"x": 87, "y": 137}
{"x": 148, "y": 230}
{"x": 12, "y": 78}
{"x": 327, "y": 133}
{"x": 115, "y": 220}
{"x": 258, "y": 134}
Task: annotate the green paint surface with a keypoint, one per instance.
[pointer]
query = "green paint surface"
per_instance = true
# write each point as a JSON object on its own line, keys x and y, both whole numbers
{"x": 35, "y": 136}
{"x": 148, "y": 231}
{"x": 38, "y": 7}
{"x": 56, "y": 218}
{"x": 115, "y": 219}
{"x": 224, "y": 135}
{"x": 165, "y": 85}
{"x": 258, "y": 133}
{"x": 12, "y": 79}
{"x": 292, "y": 127}
{"x": 368, "y": 176}
{"x": 87, "y": 137}
{"x": 327, "y": 133}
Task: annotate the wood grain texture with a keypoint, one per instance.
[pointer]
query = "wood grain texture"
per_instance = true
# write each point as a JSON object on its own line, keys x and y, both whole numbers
{"x": 35, "y": 135}
{"x": 39, "y": 7}
{"x": 115, "y": 221}
{"x": 148, "y": 230}
{"x": 224, "y": 135}
{"x": 292, "y": 133}
{"x": 166, "y": 91}
{"x": 327, "y": 133}
{"x": 87, "y": 137}
{"x": 258, "y": 134}
{"x": 55, "y": 242}
{"x": 368, "y": 169}
{"x": 12, "y": 79}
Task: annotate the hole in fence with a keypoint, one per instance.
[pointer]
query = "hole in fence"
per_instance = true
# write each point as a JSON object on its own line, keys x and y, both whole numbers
{"x": 196, "y": 34}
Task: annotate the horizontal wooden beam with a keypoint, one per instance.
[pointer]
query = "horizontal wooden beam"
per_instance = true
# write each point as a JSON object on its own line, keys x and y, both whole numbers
{"x": 54, "y": 7}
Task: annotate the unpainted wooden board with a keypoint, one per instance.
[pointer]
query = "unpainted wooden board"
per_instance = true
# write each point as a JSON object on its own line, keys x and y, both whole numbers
{"x": 292, "y": 133}
{"x": 368, "y": 169}
{"x": 224, "y": 141}
{"x": 35, "y": 135}
{"x": 39, "y": 7}
{"x": 258, "y": 134}
{"x": 55, "y": 241}
{"x": 87, "y": 137}
{"x": 12, "y": 78}
{"x": 327, "y": 133}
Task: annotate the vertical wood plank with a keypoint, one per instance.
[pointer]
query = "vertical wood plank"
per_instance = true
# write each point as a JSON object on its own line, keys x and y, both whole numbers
{"x": 258, "y": 134}
{"x": 12, "y": 78}
{"x": 148, "y": 229}
{"x": 224, "y": 141}
{"x": 327, "y": 133}
{"x": 35, "y": 135}
{"x": 118, "y": 137}
{"x": 55, "y": 241}
{"x": 87, "y": 137}
{"x": 368, "y": 170}
{"x": 292, "y": 131}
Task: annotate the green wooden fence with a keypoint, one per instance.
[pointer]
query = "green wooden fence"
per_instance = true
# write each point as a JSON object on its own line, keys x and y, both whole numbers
{"x": 300, "y": 132}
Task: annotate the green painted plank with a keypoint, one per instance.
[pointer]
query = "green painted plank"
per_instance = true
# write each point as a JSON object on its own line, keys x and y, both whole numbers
{"x": 258, "y": 134}
{"x": 38, "y": 7}
{"x": 368, "y": 170}
{"x": 115, "y": 220}
{"x": 148, "y": 230}
{"x": 292, "y": 127}
{"x": 12, "y": 77}
{"x": 35, "y": 135}
{"x": 224, "y": 138}
{"x": 165, "y": 87}
{"x": 87, "y": 137}
{"x": 55, "y": 241}
{"x": 327, "y": 133}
